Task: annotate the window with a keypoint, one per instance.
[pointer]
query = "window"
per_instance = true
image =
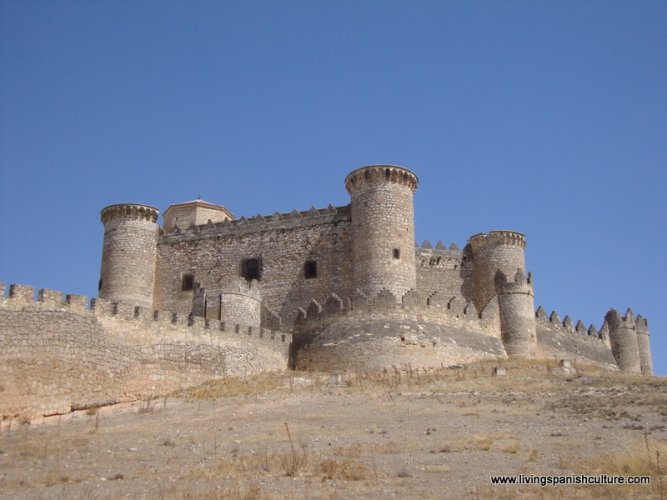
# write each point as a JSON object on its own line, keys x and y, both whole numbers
{"x": 187, "y": 282}
{"x": 310, "y": 269}
{"x": 397, "y": 253}
{"x": 251, "y": 269}
{"x": 99, "y": 286}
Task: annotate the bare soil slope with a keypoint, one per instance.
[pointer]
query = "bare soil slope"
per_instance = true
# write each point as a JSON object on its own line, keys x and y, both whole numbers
{"x": 407, "y": 434}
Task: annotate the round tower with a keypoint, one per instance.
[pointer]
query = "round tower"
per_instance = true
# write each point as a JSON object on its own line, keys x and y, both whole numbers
{"x": 517, "y": 314}
{"x": 623, "y": 338}
{"x": 241, "y": 303}
{"x": 383, "y": 230}
{"x": 128, "y": 255}
{"x": 496, "y": 251}
{"x": 644, "y": 346}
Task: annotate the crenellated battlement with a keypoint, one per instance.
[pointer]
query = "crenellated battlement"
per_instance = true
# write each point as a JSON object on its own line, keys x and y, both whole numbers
{"x": 615, "y": 320}
{"x": 293, "y": 219}
{"x": 521, "y": 283}
{"x": 380, "y": 173}
{"x": 250, "y": 289}
{"x": 435, "y": 307}
{"x": 512, "y": 238}
{"x": 22, "y": 298}
{"x": 129, "y": 211}
{"x": 553, "y": 322}
{"x": 438, "y": 257}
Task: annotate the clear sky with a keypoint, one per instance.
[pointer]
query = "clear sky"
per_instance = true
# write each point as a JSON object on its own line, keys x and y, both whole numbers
{"x": 545, "y": 117}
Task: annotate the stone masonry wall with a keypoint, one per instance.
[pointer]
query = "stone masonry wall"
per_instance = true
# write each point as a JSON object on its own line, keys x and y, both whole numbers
{"x": 359, "y": 332}
{"x": 497, "y": 250}
{"x": 383, "y": 232}
{"x": 128, "y": 255}
{"x": 394, "y": 342}
{"x": 517, "y": 314}
{"x": 56, "y": 354}
{"x": 623, "y": 338}
{"x": 566, "y": 339}
{"x": 241, "y": 303}
{"x": 444, "y": 271}
{"x": 284, "y": 242}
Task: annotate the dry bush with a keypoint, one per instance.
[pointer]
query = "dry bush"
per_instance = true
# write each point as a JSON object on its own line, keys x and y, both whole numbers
{"x": 147, "y": 405}
{"x": 347, "y": 469}
{"x": 294, "y": 461}
{"x": 512, "y": 447}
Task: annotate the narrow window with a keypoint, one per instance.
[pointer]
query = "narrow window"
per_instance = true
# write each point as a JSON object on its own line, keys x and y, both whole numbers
{"x": 187, "y": 282}
{"x": 310, "y": 269}
{"x": 99, "y": 286}
{"x": 397, "y": 253}
{"x": 251, "y": 269}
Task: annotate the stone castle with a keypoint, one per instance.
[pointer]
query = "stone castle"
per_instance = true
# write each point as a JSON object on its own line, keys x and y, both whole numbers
{"x": 339, "y": 288}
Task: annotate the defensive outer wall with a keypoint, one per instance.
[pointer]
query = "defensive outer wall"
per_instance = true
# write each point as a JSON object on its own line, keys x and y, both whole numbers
{"x": 60, "y": 353}
{"x": 207, "y": 295}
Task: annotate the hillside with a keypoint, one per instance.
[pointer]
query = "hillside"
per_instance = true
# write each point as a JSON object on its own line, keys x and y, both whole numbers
{"x": 408, "y": 433}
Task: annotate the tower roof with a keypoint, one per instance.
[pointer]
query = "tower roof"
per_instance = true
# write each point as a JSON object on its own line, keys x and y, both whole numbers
{"x": 199, "y": 203}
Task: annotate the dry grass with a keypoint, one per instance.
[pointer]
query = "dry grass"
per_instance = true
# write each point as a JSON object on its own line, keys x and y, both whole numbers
{"x": 487, "y": 441}
{"x": 642, "y": 457}
{"x": 235, "y": 386}
{"x": 522, "y": 376}
{"x": 369, "y": 436}
{"x": 347, "y": 469}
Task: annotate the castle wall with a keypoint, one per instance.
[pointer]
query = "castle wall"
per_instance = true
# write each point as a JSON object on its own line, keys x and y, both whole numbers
{"x": 562, "y": 339}
{"x": 443, "y": 271}
{"x": 367, "y": 333}
{"x": 283, "y": 242}
{"x": 363, "y": 343}
{"x": 56, "y": 354}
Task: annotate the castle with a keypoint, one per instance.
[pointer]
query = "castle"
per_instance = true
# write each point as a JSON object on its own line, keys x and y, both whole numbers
{"x": 329, "y": 289}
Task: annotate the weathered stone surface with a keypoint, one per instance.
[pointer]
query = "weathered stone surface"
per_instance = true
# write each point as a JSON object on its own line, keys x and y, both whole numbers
{"x": 208, "y": 295}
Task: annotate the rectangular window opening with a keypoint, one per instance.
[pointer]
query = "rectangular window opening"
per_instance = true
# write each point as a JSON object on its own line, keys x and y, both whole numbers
{"x": 251, "y": 269}
{"x": 397, "y": 253}
{"x": 310, "y": 269}
{"x": 187, "y": 282}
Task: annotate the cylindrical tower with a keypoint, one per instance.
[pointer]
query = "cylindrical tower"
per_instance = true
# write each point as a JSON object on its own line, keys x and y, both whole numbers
{"x": 497, "y": 251}
{"x": 623, "y": 338}
{"x": 517, "y": 314}
{"x": 128, "y": 256}
{"x": 644, "y": 346}
{"x": 383, "y": 230}
{"x": 241, "y": 303}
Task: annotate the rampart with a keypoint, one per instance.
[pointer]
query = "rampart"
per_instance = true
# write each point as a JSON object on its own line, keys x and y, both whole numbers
{"x": 58, "y": 353}
{"x": 360, "y": 332}
{"x": 573, "y": 340}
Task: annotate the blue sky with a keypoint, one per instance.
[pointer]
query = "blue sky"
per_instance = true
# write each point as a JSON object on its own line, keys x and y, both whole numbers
{"x": 546, "y": 117}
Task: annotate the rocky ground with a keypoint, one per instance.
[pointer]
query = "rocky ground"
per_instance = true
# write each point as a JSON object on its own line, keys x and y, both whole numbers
{"x": 405, "y": 434}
